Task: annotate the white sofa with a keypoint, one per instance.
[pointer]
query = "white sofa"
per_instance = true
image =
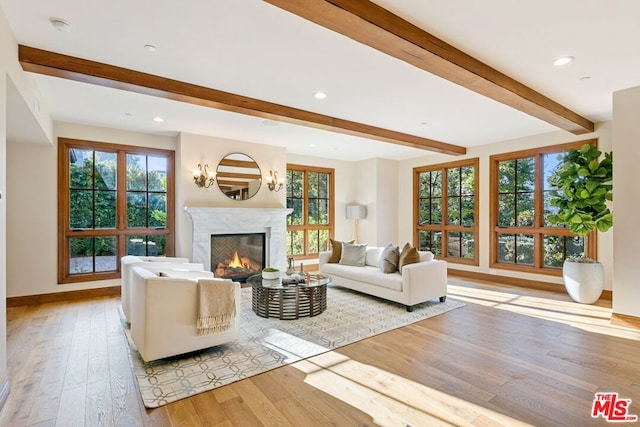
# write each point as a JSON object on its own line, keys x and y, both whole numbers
{"x": 164, "y": 313}
{"x": 155, "y": 264}
{"x": 419, "y": 282}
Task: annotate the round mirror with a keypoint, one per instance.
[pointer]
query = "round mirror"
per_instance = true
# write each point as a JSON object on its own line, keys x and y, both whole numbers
{"x": 238, "y": 176}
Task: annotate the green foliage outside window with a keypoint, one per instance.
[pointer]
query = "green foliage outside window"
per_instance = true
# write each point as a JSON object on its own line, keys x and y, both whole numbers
{"x": 516, "y": 192}
{"x": 308, "y": 195}
{"x": 446, "y": 234}
{"x": 566, "y": 182}
{"x": 92, "y": 204}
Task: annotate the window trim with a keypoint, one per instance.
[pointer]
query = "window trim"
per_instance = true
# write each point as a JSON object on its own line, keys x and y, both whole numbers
{"x": 120, "y": 231}
{"x": 305, "y": 227}
{"x": 445, "y": 227}
{"x": 538, "y": 230}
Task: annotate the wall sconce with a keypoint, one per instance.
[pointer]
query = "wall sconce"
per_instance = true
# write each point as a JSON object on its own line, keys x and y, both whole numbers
{"x": 274, "y": 183}
{"x": 356, "y": 212}
{"x": 202, "y": 177}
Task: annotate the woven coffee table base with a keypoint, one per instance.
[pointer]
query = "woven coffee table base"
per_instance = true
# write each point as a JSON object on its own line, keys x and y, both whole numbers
{"x": 289, "y": 302}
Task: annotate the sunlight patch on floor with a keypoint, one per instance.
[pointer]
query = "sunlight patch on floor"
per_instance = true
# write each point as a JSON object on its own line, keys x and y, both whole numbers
{"x": 391, "y": 399}
{"x": 590, "y": 318}
{"x": 292, "y": 347}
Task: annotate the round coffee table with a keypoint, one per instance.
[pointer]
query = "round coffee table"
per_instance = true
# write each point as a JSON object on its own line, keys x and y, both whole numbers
{"x": 272, "y": 298}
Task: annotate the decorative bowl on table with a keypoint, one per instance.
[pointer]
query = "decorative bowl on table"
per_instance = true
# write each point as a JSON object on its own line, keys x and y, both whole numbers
{"x": 270, "y": 273}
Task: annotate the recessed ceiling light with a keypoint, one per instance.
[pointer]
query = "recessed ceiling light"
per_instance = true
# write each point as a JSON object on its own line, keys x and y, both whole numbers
{"x": 158, "y": 119}
{"x": 563, "y": 61}
{"x": 60, "y": 24}
{"x": 149, "y": 48}
{"x": 320, "y": 95}
{"x": 312, "y": 145}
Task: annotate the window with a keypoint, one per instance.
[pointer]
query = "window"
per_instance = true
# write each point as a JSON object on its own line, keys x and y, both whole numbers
{"x": 445, "y": 210}
{"x": 521, "y": 236}
{"x": 310, "y": 225}
{"x": 113, "y": 200}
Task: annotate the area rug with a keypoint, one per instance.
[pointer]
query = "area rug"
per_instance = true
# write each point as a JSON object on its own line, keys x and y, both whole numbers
{"x": 266, "y": 344}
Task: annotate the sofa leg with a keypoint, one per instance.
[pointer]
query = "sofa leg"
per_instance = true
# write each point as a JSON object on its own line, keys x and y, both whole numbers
{"x": 442, "y": 299}
{"x": 409, "y": 308}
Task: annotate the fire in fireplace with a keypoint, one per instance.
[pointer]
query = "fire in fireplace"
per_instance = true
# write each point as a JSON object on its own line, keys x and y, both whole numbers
{"x": 237, "y": 256}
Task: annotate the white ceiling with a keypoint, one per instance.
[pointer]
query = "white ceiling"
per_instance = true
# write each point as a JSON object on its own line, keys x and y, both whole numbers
{"x": 251, "y": 48}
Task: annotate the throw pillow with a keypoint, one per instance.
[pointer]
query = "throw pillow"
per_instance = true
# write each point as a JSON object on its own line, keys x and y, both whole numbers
{"x": 389, "y": 259}
{"x": 409, "y": 255}
{"x": 353, "y": 254}
{"x": 336, "y": 251}
{"x": 373, "y": 256}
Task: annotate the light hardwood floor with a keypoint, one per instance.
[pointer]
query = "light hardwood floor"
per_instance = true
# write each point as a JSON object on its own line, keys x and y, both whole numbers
{"x": 512, "y": 356}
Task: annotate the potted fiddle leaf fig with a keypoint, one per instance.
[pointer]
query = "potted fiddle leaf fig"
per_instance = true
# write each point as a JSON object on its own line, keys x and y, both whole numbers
{"x": 582, "y": 182}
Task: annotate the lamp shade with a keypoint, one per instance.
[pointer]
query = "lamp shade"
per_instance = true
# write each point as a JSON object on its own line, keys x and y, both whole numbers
{"x": 356, "y": 212}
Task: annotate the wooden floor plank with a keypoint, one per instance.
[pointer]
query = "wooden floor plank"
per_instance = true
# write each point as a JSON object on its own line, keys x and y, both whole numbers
{"x": 127, "y": 411}
{"x": 239, "y": 414}
{"x": 511, "y": 356}
{"x": 209, "y": 411}
{"x": 296, "y": 413}
{"x": 47, "y": 400}
{"x": 183, "y": 413}
{"x": 99, "y": 404}
{"x": 72, "y": 407}
{"x": 269, "y": 388}
{"x": 260, "y": 404}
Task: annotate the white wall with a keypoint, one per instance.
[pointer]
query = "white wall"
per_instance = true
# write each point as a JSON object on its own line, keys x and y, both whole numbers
{"x": 626, "y": 175}
{"x": 387, "y": 202}
{"x": 11, "y": 74}
{"x": 405, "y": 197}
{"x": 32, "y": 215}
{"x": 366, "y": 184}
{"x": 3, "y": 230}
{"x": 376, "y": 187}
{"x": 194, "y": 149}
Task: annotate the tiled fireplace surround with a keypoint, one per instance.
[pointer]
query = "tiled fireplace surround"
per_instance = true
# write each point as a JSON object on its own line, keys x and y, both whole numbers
{"x": 210, "y": 220}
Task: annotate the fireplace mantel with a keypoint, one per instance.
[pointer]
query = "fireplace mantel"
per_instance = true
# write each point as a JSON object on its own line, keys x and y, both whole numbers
{"x": 209, "y": 220}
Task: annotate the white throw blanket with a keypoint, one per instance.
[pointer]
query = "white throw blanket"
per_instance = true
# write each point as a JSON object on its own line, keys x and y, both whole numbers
{"x": 216, "y": 305}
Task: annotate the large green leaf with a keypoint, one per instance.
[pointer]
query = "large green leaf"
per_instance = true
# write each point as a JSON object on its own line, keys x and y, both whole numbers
{"x": 581, "y": 188}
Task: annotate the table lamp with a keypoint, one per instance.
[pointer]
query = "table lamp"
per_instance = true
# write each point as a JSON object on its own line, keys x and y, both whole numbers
{"x": 356, "y": 212}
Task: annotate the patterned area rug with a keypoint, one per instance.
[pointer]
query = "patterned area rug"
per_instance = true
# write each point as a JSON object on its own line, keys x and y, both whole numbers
{"x": 266, "y": 344}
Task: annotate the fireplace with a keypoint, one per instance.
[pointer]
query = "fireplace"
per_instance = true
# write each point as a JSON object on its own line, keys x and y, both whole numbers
{"x": 237, "y": 256}
{"x": 272, "y": 222}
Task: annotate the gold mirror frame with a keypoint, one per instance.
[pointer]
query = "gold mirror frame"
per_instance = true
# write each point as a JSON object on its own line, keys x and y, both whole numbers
{"x": 238, "y": 176}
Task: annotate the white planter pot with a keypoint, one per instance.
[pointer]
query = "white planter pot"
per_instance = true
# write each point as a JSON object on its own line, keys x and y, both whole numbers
{"x": 583, "y": 281}
{"x": 271, "y": 275}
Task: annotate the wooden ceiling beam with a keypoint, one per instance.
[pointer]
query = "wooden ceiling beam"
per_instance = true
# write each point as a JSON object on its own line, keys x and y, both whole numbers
{"x": 83, "y": 70}
{"x": 376, "y": 27}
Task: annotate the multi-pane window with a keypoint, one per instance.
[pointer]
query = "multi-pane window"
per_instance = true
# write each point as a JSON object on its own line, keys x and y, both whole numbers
{"x": 445, "y": 211}
{"x": 113, "y": 200}
{"x": 522, "y": 237}
{"x": 310, "y": 195}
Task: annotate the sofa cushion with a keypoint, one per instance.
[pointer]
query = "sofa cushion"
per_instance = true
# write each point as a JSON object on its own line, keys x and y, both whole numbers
{"x": 373, "y": 256}
{"x": 366, "y": 274}
{"x": 425, "y": 256}
{"x": 353, "y": 254}
{"x": 409, "y": 255}
{"x": 389, "y": 259}
{"x": 336, "y": 250}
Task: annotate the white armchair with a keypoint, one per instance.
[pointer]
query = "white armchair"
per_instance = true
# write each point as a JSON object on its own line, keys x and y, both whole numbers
{"x": 164, "y": 314}
{"x": 154, "y": 264}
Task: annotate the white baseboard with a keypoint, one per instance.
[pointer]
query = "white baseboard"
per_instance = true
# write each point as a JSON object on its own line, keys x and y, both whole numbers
{"x": 4, "y": 392}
